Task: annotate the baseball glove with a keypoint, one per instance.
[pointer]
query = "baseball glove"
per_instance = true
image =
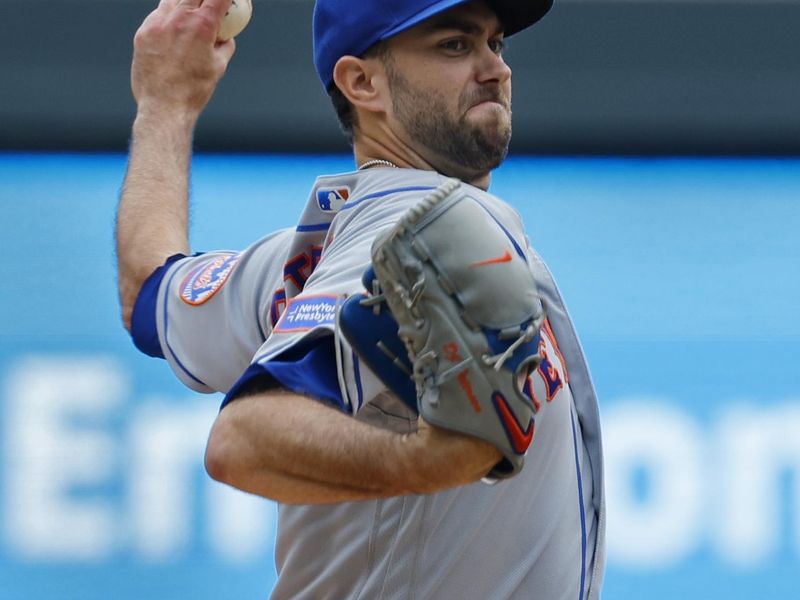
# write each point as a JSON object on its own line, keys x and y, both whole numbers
{"x": 461, "y": 333}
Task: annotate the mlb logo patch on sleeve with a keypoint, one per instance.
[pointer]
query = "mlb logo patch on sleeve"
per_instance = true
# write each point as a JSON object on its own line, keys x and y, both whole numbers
{"x": 207, "y": 279}
{"x": 308, "y": 312}
{"x": 332, "y": 199}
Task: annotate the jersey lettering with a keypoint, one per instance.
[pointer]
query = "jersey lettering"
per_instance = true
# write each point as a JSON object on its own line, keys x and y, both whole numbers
{"x": 276, "y": 306}
{"x": 316, "y": 255}
{"x": 548, "y": 372}
{"x": 299, "y": 268}
{"x": 547, "y": 329}
{"x": 528, "y": 391}
{"x": 552, "y": 374}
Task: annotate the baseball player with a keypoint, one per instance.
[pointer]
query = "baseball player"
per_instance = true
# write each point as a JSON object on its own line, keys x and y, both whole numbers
{"x": 374, "y": 501}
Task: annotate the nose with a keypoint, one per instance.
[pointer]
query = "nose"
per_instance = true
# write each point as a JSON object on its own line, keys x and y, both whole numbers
{"x": 492, "y": 67}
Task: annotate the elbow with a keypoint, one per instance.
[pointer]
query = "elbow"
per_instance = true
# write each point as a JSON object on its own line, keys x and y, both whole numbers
{"x": 220, "y": 456}
{"x": 128, "y": 292}
{"x": 234, "y": 458}
{"x": 229, "y": 459}
{"x": 127, "y": 316}
{"x": 215, "y": 464}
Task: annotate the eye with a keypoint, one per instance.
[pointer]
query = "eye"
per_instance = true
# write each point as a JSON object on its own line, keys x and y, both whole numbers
{"x": 497, "y": 45}
{"x": 454, "y": 45}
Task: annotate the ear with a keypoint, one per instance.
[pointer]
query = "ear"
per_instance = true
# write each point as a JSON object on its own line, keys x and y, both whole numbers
{"x": 360, "y": 81}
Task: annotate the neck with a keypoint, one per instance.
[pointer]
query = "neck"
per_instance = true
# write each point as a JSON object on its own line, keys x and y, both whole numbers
{"x": 370, "y": 151}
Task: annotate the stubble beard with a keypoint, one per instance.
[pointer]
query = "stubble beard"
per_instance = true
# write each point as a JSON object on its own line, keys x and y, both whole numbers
{"x": 477, "y": 148}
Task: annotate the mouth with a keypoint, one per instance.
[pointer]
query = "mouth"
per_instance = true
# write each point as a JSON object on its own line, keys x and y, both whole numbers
{"x": 493, "y": 109}
{"x": 490, "y": 99}
{"x": 489, "y": 103}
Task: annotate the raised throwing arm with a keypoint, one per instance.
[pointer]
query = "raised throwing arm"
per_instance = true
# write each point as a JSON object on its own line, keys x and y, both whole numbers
{"x": 177, "y": 64}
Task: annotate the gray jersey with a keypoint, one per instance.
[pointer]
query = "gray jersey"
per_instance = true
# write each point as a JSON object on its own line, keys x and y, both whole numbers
{"x": 223, "y": 317}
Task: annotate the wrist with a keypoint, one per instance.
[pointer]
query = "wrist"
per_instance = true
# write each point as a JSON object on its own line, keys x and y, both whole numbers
{"x": 440, "y": 459}
{"x": 418, "y": 472}
{"x": 165, "y": 118}
{"x": 427, "y": 463}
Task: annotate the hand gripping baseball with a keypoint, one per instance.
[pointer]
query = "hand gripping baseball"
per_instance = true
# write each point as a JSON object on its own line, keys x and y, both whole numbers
{"x": 177, "y": 59}
{"x": 467, "y": 316}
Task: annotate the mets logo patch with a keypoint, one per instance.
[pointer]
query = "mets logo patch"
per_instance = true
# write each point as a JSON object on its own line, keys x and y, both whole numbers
{"x": 304, "y": 313}
{"x": 207, "y": 279}
{"x": 330, "y": 200}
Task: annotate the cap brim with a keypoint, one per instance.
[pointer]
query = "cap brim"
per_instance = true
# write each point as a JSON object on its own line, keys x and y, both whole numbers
{"x": 434, "y": 9}
{"x": 514, "y": 15}
{"x": 517, "y": 16}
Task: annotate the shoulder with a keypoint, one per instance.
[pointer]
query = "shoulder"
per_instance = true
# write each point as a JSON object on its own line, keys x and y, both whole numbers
{"x": 379, "y": 186}
{"x": 375, "y": 198}
{"x": 496, "y": 205}
{"x": 362, "y": 203}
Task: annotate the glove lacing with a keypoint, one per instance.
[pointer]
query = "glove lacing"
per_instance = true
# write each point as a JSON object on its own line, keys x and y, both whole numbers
{"x": 496, "y": 361}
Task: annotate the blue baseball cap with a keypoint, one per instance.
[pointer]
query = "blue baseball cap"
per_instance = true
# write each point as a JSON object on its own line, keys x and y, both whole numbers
{"x": 351, "y": 27}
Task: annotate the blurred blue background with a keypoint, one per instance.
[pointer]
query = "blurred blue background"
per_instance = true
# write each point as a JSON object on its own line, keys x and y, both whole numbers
{"x": 682, "y": 277}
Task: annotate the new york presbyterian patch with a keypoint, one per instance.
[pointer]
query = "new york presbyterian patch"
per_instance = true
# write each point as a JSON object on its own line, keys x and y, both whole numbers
{"x": 308, "y": 312}
{"x": 207, "y": 279}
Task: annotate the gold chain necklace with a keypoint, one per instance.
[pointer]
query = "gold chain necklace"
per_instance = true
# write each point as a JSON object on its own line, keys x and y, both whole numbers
{"x": 377, "y": 162}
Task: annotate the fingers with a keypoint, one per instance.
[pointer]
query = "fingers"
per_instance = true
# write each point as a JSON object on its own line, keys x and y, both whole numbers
{"x": 216, "y": 8}
{"x": 169, "y": 4}
{"x": 202, "y": 17}
{"x": 177, "y": 61}
{"x": 209, "y": 11}
{"x": 225, "y": 50}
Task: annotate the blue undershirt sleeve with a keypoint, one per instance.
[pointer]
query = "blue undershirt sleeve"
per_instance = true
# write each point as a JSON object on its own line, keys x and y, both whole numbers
{"x": 143, "y": 320}
{"x": 309, "y": 370}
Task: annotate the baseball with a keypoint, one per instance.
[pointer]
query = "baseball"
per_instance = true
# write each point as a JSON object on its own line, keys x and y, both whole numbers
{"x": 236, "y": 19}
